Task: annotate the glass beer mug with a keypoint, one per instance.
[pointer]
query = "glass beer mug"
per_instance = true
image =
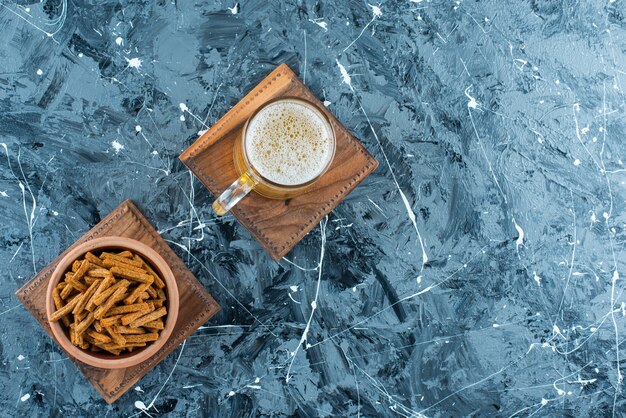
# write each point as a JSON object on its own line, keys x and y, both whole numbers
{"x": 284, "y": 147}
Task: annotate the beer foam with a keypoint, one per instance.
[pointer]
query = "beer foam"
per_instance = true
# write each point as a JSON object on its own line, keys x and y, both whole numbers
{"x": 289, "y": 143}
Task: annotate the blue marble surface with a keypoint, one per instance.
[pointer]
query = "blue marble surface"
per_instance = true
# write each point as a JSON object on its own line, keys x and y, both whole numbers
{"x": 478, "y": 272}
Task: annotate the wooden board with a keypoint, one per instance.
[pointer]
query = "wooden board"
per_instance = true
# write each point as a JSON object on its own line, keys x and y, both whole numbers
{"x": 277, "y": 224}
{"x": 196, "y": 304}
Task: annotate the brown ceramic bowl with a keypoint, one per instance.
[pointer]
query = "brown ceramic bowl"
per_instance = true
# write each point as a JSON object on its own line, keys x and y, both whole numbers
{"x": 107, "y": 360}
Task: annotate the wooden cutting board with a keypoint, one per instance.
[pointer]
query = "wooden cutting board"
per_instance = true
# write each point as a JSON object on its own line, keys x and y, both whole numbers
{"x": 196, "y": 305}
{"x": 278, "y": 224}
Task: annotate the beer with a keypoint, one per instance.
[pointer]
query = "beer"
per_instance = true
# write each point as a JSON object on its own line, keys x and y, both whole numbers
{"x": 283, "y": 149}
{"x": 289, "y": 142}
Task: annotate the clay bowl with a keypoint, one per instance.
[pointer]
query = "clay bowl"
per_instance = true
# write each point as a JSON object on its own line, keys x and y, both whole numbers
{"x": 102, "y": 359}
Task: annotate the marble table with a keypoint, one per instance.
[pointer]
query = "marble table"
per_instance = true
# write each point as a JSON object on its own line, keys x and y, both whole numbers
{"x": 478, "y": 272}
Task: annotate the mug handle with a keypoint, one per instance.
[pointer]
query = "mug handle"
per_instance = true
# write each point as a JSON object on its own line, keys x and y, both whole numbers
{"x": 231, "y": 196}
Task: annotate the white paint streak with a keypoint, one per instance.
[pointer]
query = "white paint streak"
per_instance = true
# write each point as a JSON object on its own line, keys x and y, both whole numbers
{"x": 134, "y": 63}
{"x": 320, "y": 22}
{"x": 293, "y": 300}
{"x": 520, "y": 236}
{"x": 347, "y": 80}
{"x": 575, "y": 109}
{"x": 344, "y": 74}
{"x": 305, "y": 57}
{"x": 473, "y": 104}
{"x": 183, "y": 107}
{"x": 571, "y": 264}
{"x": 16, "y": 251}
{"x": 305, "y": 333}
{"x": 117, "y": 146}
{"x": 617, "y": 358}
{"x": 375, "y": 10}
{"x": 298, "y": 266}
{"x": 30, "y": 220}
{"x": 377, "y": 207}
{"x": 58, "y": 21}
{"x": 9, "y": 310}
{"x": 411, "y": 214}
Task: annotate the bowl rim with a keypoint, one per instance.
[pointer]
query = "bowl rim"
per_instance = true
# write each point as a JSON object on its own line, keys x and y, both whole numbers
{"x": 123, "y": 243}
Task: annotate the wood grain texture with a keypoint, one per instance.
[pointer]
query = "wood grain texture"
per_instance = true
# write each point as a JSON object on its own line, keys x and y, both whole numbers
{"x": 196, "y": 304}
{"x": 278, "y": 224}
